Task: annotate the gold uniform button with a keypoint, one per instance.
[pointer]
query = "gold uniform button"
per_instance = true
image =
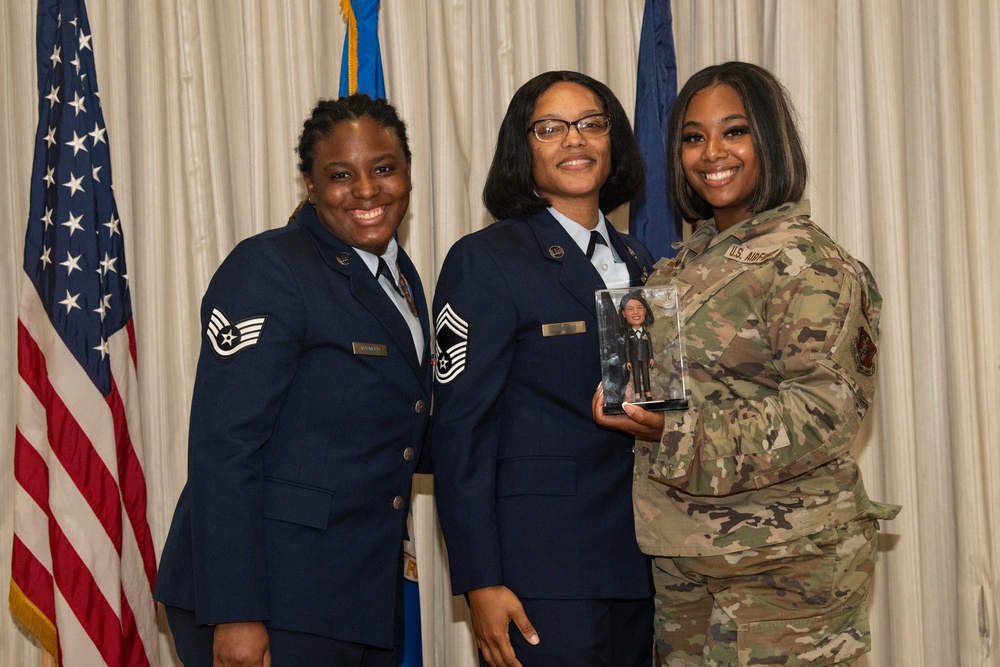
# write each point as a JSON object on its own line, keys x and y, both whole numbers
{"x": 397, "y": 502}
{"x": 418, "y": 407}
{"x": 408, "y": 454}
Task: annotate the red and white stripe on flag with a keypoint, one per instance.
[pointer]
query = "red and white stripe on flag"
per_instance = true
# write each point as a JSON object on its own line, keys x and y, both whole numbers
{"x": 83, "y": 564}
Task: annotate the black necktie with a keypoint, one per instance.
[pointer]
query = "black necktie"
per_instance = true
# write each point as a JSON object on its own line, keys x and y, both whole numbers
{"x": 402, "y": 289}
{"x": 383, "y": 270}
{"x": 595, "y": 239}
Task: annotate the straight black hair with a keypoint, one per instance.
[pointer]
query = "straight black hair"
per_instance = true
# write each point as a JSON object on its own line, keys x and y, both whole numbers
{"x": 510, "y": 187}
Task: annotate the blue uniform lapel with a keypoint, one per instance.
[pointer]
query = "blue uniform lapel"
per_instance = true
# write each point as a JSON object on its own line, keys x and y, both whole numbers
{"x": 342, "y": 258}
{"x": 625, "y": 251}
{"x": 416, "y": 290}
{"x": 417, "y": 293}
{"x": 578, "y": 275}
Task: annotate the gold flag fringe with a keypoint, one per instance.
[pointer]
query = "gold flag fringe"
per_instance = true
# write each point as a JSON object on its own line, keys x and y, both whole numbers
{"x": 33, "y": 620}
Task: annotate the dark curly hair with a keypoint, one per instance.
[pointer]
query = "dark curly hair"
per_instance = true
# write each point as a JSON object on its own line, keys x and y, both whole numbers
{"x": 328, "y": 113}
{"x": 776, "y": 141}
{"x": 510, "y": 186}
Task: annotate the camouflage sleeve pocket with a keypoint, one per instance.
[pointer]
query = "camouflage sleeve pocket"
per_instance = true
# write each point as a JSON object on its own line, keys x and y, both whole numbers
{"x": 855, "y": 350}
{"x": 673, "y": 456}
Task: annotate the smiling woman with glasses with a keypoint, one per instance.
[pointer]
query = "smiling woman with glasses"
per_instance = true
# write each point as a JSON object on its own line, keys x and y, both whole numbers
{"x": 534, "y": 499}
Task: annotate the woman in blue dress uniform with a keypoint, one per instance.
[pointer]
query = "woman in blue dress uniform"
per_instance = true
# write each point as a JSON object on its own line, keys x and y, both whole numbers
{"x": 534, "y": 499}
{"x": 309, "y": 414}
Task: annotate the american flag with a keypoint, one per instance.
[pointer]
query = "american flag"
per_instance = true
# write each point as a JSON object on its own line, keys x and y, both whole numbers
{"x": 83, "y": 564}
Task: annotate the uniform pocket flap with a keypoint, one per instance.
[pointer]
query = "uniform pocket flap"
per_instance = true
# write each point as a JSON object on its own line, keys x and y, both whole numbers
{"x": 839, "y": 637}
{"x": 537, "y": 475}
{"x": 308, "y": 506}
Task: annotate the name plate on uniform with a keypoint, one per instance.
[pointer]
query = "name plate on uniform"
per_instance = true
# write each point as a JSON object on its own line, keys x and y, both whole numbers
{"x": 642, "y": 359}
{"x": 564, "y": 328}
{"x": 370, "y": 349}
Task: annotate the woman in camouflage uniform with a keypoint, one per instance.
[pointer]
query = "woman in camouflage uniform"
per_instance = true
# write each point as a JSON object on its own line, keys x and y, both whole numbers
{"x": 751, "y": 501}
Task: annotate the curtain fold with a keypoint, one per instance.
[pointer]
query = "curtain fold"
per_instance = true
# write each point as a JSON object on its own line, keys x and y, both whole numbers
{"x": 897, "y": 102}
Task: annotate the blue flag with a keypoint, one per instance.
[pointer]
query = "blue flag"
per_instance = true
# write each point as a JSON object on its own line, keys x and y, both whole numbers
{"x": 361, "y": 72}
{"x": 361, "y": 63}
{"x": 412, "y": 651}
{"x": 651, "y": 217}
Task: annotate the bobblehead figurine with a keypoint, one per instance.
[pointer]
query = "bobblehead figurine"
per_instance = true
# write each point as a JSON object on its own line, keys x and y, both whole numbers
{"x": 637, "y": 316}
{"x": 636, "y": 326}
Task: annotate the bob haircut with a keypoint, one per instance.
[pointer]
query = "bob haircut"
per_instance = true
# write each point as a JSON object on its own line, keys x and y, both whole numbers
{"x": 328, "y": 113}
{"x": 510, "y": 187}
{"x": 776, "y": 141}
{"x": 636, "y": 295}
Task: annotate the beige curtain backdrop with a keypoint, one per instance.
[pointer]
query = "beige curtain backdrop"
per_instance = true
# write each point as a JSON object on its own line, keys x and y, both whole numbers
{"x": 898, "y": 102}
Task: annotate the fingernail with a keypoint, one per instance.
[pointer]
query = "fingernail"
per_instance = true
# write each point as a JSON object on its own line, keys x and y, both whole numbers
{"x": 533, "y": 640}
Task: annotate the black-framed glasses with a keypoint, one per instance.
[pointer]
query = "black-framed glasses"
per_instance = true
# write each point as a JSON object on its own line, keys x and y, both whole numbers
{"x": 556, "y": 129}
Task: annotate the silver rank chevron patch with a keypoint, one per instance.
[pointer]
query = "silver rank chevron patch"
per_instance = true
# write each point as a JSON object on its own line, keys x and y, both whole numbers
{"x": 451, "y": 340}
{"x": 227, "y": 338}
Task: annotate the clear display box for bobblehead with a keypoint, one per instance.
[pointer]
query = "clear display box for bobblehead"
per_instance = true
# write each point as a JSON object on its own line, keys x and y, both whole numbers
{"x": 642, "y": 355}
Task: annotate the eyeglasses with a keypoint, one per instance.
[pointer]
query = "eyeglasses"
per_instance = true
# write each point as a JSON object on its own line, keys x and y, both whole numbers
{"x": 555, "y": 129}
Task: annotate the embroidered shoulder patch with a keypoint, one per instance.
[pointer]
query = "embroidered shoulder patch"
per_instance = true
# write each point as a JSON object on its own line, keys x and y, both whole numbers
{"x": 451, "y": 341}
{"x": 227, "y": 338}
{"x": 746, "y": 255}
{"x": 864, "y": 352}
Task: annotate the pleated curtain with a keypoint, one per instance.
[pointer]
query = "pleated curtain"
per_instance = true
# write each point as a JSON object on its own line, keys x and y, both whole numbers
{"x": 898, "y": 103}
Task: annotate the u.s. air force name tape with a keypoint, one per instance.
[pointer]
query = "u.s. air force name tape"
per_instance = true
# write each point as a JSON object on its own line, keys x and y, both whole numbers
{"x": 451, "y": 342}
{"x": 746, "y": 255}
{"x": 227, "y": 338}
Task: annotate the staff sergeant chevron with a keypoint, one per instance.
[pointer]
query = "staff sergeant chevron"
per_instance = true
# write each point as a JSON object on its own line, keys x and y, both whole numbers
{"x": 227, "y": 338}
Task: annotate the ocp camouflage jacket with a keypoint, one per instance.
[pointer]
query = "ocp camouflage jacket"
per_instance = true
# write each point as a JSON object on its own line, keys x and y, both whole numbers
{"x": 780, "y": 326}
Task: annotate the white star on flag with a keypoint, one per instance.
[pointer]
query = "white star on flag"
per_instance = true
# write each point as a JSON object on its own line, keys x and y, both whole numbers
{"x": 74, "y": 184}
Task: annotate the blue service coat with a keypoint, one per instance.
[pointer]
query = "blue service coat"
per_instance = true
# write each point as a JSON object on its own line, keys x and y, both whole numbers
{"x": 530, "y": 492}
{"x": 302, "y": 442}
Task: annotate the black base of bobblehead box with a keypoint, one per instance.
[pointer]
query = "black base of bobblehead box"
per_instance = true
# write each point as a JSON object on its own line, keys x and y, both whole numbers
{"x": 642, "y": 357}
